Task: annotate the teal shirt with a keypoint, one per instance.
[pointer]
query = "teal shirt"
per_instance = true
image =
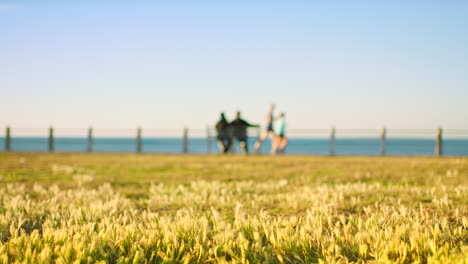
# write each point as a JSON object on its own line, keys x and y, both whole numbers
{"x": 279, "y": 126}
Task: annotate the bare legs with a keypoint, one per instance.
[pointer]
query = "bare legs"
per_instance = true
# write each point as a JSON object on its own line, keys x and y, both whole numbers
{"x": 283, "y": 143}
{"x": 279, "y": 144}
{"x": 262, "y": 138}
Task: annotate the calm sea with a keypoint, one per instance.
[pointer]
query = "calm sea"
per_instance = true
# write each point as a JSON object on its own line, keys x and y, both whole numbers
{"x": 348, "y": 146}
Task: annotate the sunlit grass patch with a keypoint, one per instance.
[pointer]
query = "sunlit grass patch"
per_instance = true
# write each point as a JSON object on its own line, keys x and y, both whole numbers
{"x": 277, "y": 210}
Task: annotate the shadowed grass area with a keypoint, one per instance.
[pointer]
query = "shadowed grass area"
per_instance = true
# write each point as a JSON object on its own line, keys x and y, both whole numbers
{"x": 129, "y": 208}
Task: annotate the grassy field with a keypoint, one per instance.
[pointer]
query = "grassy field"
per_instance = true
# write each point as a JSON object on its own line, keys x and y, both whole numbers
{"x": 111, "y": 208}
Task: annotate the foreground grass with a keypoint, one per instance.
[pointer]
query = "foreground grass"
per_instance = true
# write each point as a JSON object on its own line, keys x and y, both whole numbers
{"x": 88, "y": 208}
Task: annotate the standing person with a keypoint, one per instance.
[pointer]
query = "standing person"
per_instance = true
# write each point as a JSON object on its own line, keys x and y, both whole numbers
{"x": 280, "y": 141}
{"x": 269, "y": 128}
{"x": 224, "y": 137}
{"x": 239, "y": 131}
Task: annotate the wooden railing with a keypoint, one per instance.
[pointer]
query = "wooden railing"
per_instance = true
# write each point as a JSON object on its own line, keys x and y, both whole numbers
{"x": 332, "y": 135}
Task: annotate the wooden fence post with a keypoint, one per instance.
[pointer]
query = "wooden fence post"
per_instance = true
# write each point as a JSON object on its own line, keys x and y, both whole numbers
{"x": 332, "y": 142}
{"x": 383, "y": 139}
{"x": 90, "y": 139}
{"x": 51, "y": 139}
{"x": 185, "y": 141}
{"x": 208, "y": 138}
{"x": 8, "y": 140}
{"x": 438, "y": 143}
{"x": 139, "y": 146}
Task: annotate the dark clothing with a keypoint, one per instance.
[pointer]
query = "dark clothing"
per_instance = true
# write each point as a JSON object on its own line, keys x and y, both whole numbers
{"x": 239, "y": 131}
{"x": 224, "y": 136}
{"x": 239, "y": 128}
{"x": 270, "y": 127}
{"x": 223, "y": 129}
{"x": 270, "y": 123}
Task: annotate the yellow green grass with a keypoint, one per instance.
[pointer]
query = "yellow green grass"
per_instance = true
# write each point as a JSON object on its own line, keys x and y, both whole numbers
{"x": 112, "y": 208}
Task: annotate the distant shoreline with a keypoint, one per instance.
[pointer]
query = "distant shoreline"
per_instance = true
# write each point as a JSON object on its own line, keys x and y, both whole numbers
{"x": 199, "y": 145}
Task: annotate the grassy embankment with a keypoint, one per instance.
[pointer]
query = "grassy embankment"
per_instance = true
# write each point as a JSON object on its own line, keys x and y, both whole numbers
{"x": 197, "y": 209}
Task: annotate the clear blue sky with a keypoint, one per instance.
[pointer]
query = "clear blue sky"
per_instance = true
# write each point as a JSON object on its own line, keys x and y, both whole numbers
{"x": 352, "y": 64}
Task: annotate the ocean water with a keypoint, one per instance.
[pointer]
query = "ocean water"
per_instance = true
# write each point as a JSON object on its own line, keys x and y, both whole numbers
{"x": 316, "y": 146}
